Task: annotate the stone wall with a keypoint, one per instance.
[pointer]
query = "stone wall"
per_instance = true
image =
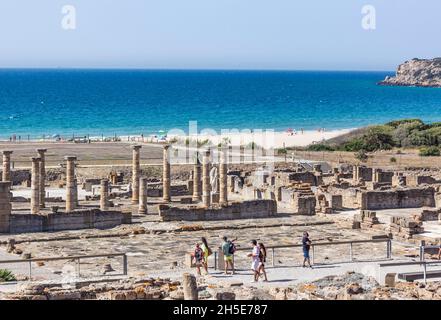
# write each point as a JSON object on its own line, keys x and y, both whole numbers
{"x": 417, "y": 180}
{"x": 236, "y": 210}
{"x": 362, "y": 173}
{"x": 287, "y": 178}
{"x": 80, "y": 219}
{"x": 406, "y": 198}
{"x": 304, "y": 204}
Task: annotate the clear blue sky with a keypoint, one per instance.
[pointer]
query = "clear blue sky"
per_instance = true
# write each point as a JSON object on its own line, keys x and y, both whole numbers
{"x": 226, "y": 34}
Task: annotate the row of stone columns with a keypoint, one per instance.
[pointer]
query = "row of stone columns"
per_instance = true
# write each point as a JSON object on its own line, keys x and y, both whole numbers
{"x": 38, "y": 180}
{"x": 139, "y": 184}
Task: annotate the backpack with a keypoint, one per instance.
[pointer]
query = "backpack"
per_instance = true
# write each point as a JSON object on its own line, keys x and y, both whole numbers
{"x": 198, "y": 255}
{"x": 231, "y": 247}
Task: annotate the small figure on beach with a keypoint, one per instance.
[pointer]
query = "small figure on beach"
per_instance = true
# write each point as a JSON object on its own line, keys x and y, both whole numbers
{"x": 306, "y": 245}
{"x": 262, "y": 257}
{"x": 228, "y": 249}
{"x": 255, "y": 263}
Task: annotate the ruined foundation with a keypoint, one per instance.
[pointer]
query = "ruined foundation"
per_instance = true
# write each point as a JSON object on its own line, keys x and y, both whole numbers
{"x": 236, "y": 210}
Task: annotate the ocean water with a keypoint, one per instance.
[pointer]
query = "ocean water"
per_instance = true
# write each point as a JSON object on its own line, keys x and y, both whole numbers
{"x": 95, "y": 102}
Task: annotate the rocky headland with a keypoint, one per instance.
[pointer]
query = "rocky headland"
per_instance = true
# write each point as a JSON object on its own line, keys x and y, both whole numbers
{"x": 418, "y": 73}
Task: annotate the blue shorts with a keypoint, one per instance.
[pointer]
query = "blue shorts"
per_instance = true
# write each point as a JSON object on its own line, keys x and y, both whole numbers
{"x": 306, "y": 253}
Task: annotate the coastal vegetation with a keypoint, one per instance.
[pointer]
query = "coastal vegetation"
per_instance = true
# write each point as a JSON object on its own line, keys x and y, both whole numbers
{"x": 6, "y": 275}
{"x": 405, "y": 133}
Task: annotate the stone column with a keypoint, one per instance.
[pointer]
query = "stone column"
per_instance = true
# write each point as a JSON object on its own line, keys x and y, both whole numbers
{"x": 206, "y": 187}
{"x": 197, "y": 195}
{"x": 6, "y": 175}
{"x": 190, "y": 287}
{"x": 166, "y": 174}
{"x": 223, "y": 191}
{"x": 41, "y": 153}
{"x": 71, "y": 185}
{"x": 135, "y": 174}
{"x": 104, "y": 198}
{"x": 35, "y": 186}
{"x": 143, "y": 195}
{"x": 5, "y": 206}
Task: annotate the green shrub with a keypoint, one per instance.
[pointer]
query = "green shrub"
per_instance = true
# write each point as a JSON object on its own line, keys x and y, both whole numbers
{"x": 282, "y": 151}
{"x": 361, "y": 155}
{"x": 430, "y": 152}
{"x": 353, "y": 145}
{"x": 320, "y": 147}
{"x": 393, "y": 160}
{"x": 397, "y": 123}
{"x": 6, "y": 275}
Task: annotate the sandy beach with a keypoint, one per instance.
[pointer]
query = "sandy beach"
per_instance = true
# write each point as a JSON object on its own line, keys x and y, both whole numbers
{"x": 267, "y": 139}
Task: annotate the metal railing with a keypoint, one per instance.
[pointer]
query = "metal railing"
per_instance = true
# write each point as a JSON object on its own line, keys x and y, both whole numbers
{"x": 76, "y": 258}
{"x": 313, "y": 246}
{"x": 423, "y": 263}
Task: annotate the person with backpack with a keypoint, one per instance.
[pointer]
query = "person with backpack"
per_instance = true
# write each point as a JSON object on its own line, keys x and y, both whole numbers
{"x": 306, "y": 245}
{"x": 262, "y": 257}
{"x": 198, "y": 258}
{"x": 206, "y": 253}
{"x": 255, "y": 264}
{"x": 228, "y": 249}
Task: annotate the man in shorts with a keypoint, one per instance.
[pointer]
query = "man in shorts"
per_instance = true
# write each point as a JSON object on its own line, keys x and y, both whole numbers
{"x": 228, "y": 251}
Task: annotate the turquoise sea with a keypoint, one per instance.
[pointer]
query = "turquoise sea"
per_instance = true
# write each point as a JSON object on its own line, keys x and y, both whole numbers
{"x": 95, "y": 102}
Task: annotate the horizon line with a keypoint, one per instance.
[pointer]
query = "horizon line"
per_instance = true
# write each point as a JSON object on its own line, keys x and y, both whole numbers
{"x": 191, "y": 69}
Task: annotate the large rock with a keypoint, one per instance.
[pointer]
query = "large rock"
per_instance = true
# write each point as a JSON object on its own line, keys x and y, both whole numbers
{"x": 417, "y": 72}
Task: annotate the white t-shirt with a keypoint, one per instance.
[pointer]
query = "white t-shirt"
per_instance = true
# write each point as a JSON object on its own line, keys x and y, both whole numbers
{"x": 256, "y": 252}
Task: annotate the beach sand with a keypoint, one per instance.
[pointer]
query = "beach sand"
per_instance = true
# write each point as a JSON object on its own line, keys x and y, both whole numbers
{"x": 269, "y": 139}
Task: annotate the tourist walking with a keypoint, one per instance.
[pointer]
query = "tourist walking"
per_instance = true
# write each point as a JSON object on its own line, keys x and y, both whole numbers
{"x": 255, "y": 263}
{"x": 262, "y": 258}
{"x": 198, "y": 258}
{"x": 306, "y": 245}
{"x": 206, "y": 253}
{"x": 228, "y": 249}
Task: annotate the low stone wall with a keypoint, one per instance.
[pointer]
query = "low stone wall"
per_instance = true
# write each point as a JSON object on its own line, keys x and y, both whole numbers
{"x": 417, "y": 180}
{"x": 237, "y": 210}
{"x": 81, "y": 219}
{"x": 393, "y": 199}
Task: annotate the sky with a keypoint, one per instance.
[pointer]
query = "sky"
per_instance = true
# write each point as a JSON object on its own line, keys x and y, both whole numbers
{"x": 218, "y": 34}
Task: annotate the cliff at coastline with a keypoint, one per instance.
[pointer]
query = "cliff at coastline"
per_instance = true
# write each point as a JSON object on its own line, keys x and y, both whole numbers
{"x": 416, "y": 72}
